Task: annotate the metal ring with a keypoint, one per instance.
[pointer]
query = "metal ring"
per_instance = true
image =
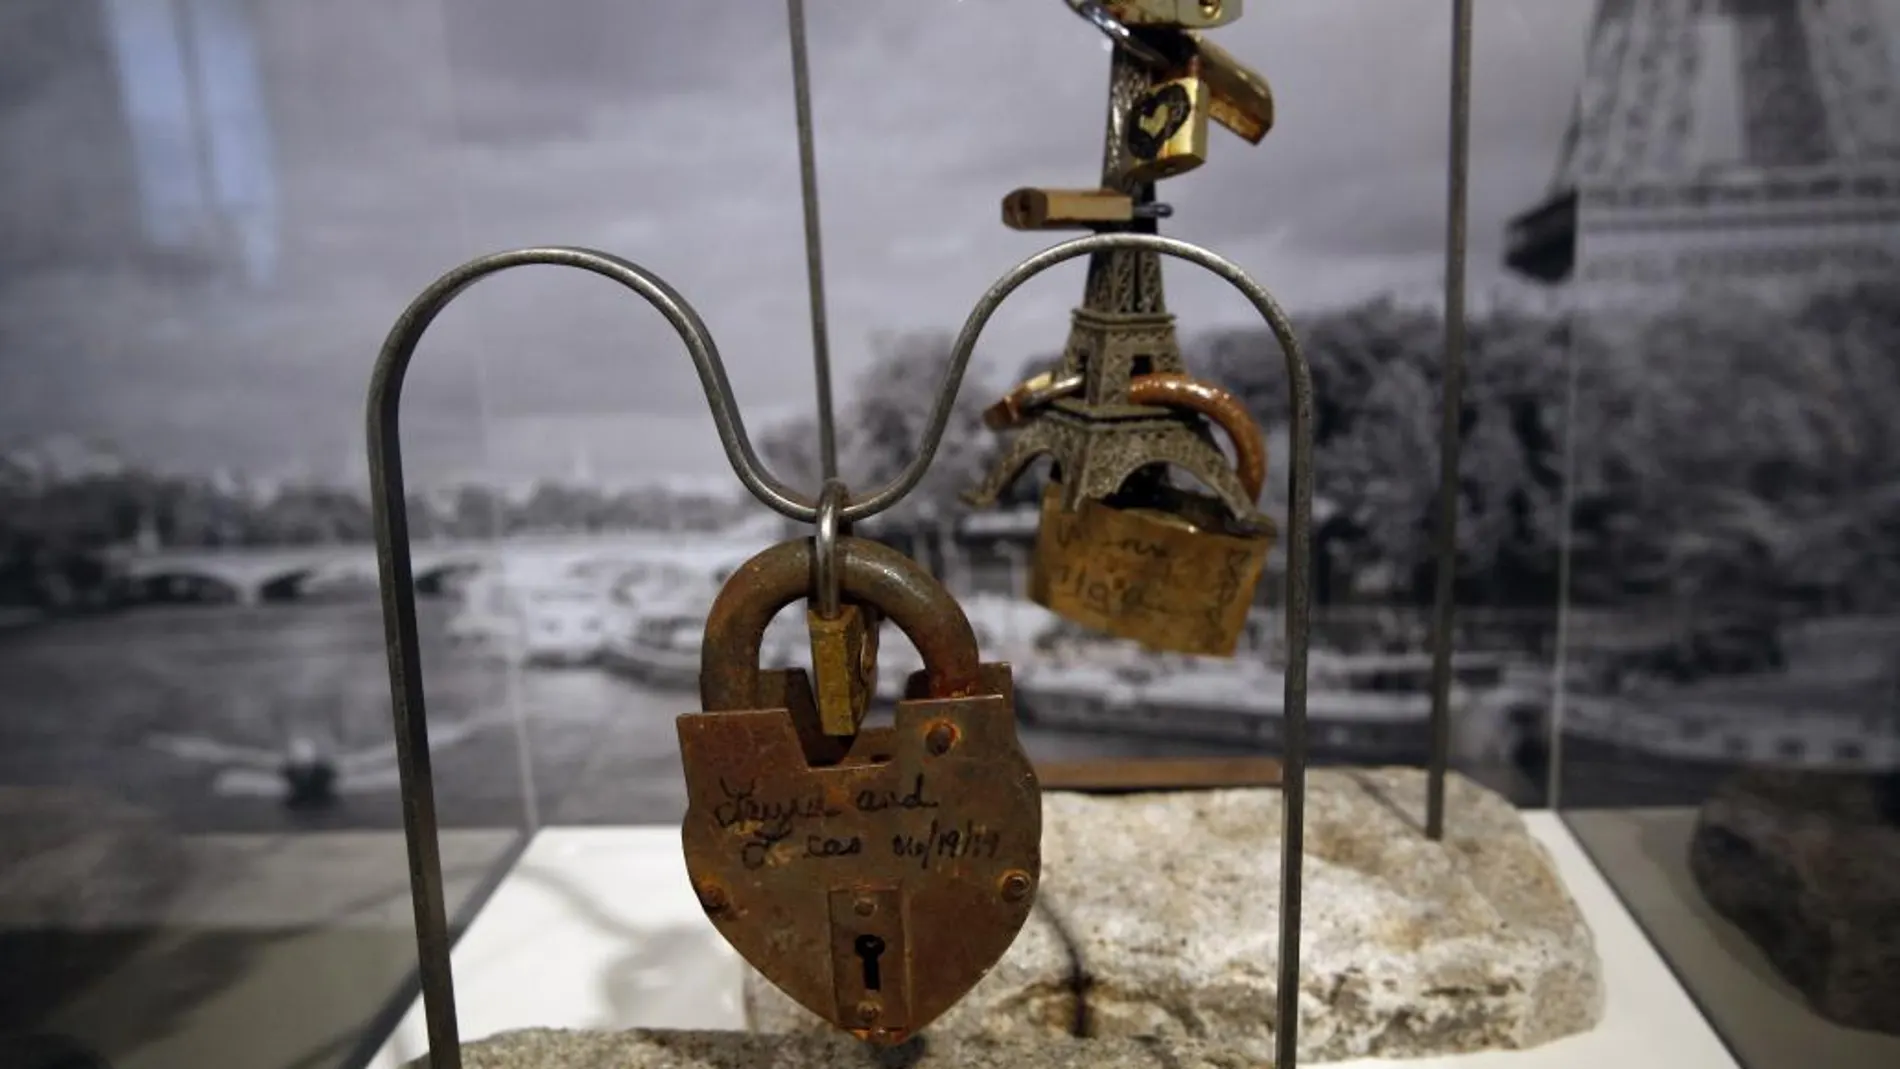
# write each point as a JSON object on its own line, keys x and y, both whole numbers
{"x": 824, "y": 558}
{"x": 1117, "y": 31}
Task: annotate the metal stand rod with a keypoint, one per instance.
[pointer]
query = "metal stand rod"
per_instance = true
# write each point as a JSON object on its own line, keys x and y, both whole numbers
{"x": 1444, "y": 607}
{"x": 389, "y": 506}
{"x": 814, "y": 249}
{"x": 1560, "y": 660}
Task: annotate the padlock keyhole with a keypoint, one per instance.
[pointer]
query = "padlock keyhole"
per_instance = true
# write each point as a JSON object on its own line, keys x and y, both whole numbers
{"x": 870, "y": 948}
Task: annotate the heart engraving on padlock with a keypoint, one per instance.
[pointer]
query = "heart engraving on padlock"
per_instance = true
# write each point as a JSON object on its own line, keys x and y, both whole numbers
{"x": 1156, "y": 119}
{"x": 874, "y": 879}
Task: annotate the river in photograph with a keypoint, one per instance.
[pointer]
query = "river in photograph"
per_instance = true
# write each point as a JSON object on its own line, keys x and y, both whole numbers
{"x": 189, "y": 711}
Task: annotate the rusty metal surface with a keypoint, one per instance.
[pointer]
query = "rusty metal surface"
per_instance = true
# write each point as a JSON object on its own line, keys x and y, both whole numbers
{"x": 1243, "y": 102}
{"x": 876, "y": 878}
{"x": 869, "y": 572}
{"x": 1138, "y": 774}
{"x": 1180, "y": 391}
{"x": 1187, "y": 13}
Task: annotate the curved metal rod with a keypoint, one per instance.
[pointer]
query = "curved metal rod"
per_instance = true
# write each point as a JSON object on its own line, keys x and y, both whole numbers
{"x": 389, "y": 508}
{"x": 393, "y": 363}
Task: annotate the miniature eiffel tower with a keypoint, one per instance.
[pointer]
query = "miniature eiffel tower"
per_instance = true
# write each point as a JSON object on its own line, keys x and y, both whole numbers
{"x": 1097, "y": 439}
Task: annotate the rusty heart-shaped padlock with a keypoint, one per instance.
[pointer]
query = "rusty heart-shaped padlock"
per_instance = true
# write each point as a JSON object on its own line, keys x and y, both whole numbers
{"x": 876, "y": 877}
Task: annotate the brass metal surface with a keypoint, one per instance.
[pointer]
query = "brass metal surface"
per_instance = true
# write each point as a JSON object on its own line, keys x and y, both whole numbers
{"x": 1167, "y": 130}
{"x": 1190, "y": 14}
{"x": 874, "y": 879}
{"x": 1242, "y": 101}
{"x": 843, "y": 666}
{"x": 1066, "y": 209}
{"x": 1146, "y": 574}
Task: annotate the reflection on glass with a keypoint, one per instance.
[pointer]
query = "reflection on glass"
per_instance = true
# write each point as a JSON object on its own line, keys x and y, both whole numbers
{"x": 193, "y": 103}
{"x": 1730, "y": 713}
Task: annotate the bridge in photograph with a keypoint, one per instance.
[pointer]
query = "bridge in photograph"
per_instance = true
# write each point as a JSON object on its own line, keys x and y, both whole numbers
{"x": 277, "y": 573}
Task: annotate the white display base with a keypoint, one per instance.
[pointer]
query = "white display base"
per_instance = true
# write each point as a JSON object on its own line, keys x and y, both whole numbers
{"x": 598, "y": 928}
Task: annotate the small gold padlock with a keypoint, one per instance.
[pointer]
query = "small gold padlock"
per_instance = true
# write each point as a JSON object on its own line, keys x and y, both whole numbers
{"x": 1172, "y": 569}
{"x": 873, "y": 878}
{"x": 1153, "y": 575}
{"x": 1166, "y": 132}
{"x": 844, "y": 665}
{"x": 1179, "y": 14}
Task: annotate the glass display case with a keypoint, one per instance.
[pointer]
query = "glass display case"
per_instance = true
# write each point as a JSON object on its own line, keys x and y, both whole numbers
{"x": 1722, "y": 237}
{"x": 1676, "y": 637}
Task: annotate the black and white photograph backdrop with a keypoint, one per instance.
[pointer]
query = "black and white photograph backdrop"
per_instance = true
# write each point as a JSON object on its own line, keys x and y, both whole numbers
{"x": 1679, "y": 532}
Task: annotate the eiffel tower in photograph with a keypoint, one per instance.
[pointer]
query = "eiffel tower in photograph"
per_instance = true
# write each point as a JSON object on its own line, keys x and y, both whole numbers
{"x": 1724, "y": 143}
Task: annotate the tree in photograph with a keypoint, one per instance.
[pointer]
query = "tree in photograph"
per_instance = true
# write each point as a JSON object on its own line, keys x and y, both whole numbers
{"x": 881, "y": 424}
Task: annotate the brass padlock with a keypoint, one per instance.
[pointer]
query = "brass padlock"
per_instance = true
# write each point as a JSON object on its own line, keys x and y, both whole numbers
{"x": 876, "y": 878}
{"x": 843, "y": 635}
{"x": 1172, "y": 569}
{"x": 1166, "y": 131}
{"x": 1185, "y": 14}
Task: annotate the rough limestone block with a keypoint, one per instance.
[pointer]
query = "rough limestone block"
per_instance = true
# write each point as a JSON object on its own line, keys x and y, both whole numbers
{"x": 656, "y": 1049}
{"x": 1158, "y": 916}
{"x": 1807, "y": 865}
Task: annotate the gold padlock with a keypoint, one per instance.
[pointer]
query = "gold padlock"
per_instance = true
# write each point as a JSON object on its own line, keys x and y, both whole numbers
{"x": 1166, "y": 133}
{"x": 1241, "y": 99}
{"x": 1031, "y": 208}
{"x": 1169, "y": 568}
{"x": 1182, "y": 14}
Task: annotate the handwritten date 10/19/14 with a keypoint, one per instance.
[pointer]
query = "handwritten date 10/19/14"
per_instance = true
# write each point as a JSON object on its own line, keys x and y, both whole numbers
{"x": 769, "y": 821}
{"x": 970, "y": 840}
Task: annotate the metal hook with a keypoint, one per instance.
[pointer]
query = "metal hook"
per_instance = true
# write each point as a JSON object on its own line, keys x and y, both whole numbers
{"x": 1117, "y": 31}
{"x": 824, "y": 558}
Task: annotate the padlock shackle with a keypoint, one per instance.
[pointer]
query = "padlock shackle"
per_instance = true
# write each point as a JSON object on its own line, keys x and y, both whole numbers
{"x": 1180, "y": 391}
{"x": 869, "y": 572}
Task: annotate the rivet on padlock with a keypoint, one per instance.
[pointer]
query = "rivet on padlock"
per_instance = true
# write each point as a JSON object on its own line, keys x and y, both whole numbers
{"x": 1241, "y": 99}
{"x": 1167, "y": 129}
{"x": 843, "y": 636}
{"x": 801, "y": 831}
